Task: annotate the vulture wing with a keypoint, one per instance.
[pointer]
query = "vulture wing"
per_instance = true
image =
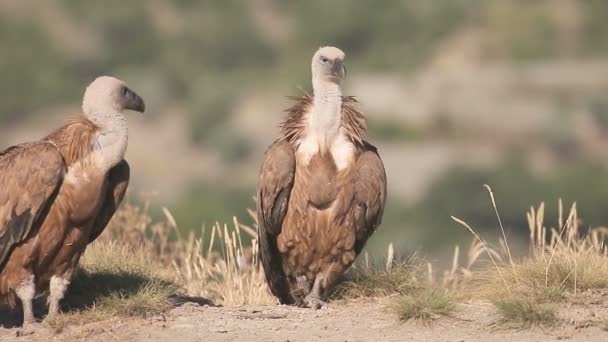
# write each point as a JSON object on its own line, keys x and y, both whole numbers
{"x": 30, "y": 177}
{"x": 118, "y": 180}
{"x": 274, "y": 188}
{"x": 369, "y": 194}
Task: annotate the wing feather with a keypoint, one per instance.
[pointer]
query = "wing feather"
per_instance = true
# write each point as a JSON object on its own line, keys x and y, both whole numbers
{"x": 30, "y": 177}
{"x": 118, "y": 181}
{"x": 274, "y": 189}
{"x": 369, "y": 194}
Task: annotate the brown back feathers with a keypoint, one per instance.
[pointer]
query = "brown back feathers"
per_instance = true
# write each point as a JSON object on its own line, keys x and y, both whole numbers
{"x": 74, "y": 139}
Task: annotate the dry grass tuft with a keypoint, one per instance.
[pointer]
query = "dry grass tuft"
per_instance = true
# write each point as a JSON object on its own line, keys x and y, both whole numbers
{"x": 459, "y": 276}
{"x": 120, "y": 280}
{"x": 115, "y": 279}
{"x": 366, "y": 279}
{"x": 232, "y": 276}
{"x": 523, "y": 312}
{"x": 562, "y": 260}
{"x": 60, "y": 322}
{"x": 425, "y": 305}
{"x": 222, "y": 266}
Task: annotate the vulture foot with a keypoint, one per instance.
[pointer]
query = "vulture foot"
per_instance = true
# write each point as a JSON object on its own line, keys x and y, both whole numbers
{"x": 28, "y": 328}
{"x": 314, "y": 302}
{"x": 313, "y": 299}
{"x": 51, "y": 316}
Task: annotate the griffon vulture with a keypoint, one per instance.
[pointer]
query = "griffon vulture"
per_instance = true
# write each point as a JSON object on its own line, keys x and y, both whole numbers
{"x": 58, "y": 194}
{"x": 321, "y": 190}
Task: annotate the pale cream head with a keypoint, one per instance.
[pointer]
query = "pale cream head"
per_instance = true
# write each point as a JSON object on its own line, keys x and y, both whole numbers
{"x": 108, "y": 95}
{"x": 328, "y": 65}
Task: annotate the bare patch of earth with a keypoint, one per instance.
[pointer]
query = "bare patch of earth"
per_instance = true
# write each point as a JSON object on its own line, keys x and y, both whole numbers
{"x": 358, "y": 320}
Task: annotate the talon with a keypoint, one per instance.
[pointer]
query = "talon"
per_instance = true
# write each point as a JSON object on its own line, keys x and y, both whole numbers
{"x": 314, "y": 303}
{"x": 27, "y": 329}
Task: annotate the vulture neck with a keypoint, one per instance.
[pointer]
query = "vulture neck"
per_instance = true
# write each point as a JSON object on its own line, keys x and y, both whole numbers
{"x": 111, "y": 139}
{"x": 326, "y": 116}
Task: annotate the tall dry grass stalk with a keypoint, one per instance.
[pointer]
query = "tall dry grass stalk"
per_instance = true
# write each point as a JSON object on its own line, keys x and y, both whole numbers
{"x": 219, "y": 266}
{"x": 459, "y": 274}
{"x": 560, "y": 259}
{"x": 232, "y": 276}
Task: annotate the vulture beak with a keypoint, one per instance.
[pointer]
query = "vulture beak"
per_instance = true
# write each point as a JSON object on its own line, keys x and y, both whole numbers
{"x": 132, "y": 101}
{"x": 339, "y": 69}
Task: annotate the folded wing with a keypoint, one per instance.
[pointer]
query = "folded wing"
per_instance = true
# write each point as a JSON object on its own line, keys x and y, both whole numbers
{"x": 274, "y": 189}
{"x": 118, "y": 181}
{"x": 30, "y": 177}
{"x": 369, "y": 194}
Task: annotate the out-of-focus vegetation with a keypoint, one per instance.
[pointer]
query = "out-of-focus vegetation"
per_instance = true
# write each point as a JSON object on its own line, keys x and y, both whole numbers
{"x": 460, "y": 193}
{"x": 202, "y": 54}
{"x": 205, "y": 57}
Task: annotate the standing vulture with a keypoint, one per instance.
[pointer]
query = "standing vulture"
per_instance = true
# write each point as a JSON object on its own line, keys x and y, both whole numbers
{"x": 58, "y": 194}
{"x": 321, "y": 190}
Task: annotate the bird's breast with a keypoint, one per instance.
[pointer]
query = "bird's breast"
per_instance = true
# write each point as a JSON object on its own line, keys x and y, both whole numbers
{"x": 339, "y": 148}
{"x": 319, "y": 181}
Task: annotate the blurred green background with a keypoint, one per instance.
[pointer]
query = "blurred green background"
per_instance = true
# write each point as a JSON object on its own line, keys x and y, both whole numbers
{"x": 458, "y": 93}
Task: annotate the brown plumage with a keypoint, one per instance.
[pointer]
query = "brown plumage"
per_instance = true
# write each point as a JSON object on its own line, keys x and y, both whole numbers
{"x": 321, "y": 191}
{"x": 58, "y": 194}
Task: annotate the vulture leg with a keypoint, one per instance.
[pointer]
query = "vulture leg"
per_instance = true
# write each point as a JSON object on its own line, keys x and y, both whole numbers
{"x": 313, "y": 299}
{"x": 303, "y": 285}
{"x": 331, "y": 276}
{"x": 26, "y": 292}
{"x": 57, "y": 288}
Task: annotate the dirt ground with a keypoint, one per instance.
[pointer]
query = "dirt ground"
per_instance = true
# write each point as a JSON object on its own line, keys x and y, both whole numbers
{"x": 359, "y": 320}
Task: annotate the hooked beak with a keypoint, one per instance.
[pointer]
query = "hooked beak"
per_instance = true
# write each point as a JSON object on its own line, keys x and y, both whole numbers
{"x": 339, "y": 69}
{"x": 133, "y": 101}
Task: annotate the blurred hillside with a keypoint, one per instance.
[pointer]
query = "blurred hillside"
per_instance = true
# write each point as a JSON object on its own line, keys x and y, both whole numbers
{"x": 458, "y": 94}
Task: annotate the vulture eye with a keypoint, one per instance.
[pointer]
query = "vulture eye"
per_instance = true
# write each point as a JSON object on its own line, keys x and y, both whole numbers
{"x": 124, "y": 91}
{"x": 324, "y": 59}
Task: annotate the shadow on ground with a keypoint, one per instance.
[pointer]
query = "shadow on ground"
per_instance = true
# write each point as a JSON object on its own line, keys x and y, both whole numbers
{"x": 88, "y": 289}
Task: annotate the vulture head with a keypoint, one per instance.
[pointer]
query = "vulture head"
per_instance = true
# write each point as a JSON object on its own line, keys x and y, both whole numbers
{"x": 109, "y": 96}
{"x": 328, "y": 65}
